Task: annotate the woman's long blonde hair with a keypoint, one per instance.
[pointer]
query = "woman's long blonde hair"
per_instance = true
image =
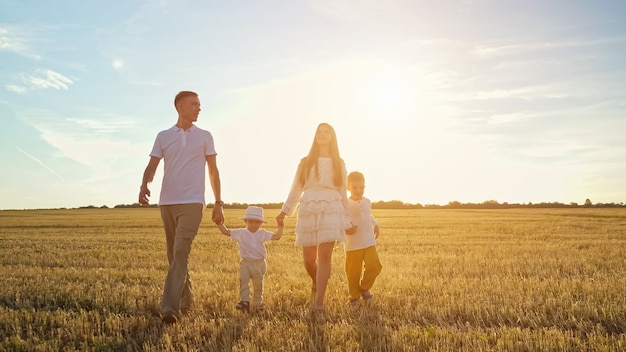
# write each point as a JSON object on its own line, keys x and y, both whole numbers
{"x": 310, "y": 161}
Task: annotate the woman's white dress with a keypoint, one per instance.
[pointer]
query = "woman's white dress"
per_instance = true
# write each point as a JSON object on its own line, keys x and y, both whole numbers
{"x": 322, "y": 206}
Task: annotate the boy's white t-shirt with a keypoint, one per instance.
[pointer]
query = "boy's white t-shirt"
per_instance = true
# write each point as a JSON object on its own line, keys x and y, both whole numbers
{"x": 251, "y": 244}
{"x": 184, "y": 155}
{"x": 360, "y": 213}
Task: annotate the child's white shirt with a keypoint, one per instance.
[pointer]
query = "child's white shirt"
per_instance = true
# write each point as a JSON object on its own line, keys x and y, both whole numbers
{"x": 251, "y": 244}
{"x": 360, "y": 213}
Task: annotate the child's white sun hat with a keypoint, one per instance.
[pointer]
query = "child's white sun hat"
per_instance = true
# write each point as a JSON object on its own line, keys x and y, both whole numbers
{"x": 254, "y": 213}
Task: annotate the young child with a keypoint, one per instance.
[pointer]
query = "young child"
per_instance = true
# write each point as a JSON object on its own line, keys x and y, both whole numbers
{"x": 362, "y": 263}
{"x": 252, "y": 265}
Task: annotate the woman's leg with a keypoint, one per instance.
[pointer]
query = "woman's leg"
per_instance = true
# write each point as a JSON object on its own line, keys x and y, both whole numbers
{"x": 324, "y": 254}
{"x": 309, "y": 254}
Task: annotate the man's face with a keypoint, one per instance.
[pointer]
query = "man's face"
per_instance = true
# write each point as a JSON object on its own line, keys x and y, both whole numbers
{"x": 189, "y": 108}
{"x": 357, "y": 188}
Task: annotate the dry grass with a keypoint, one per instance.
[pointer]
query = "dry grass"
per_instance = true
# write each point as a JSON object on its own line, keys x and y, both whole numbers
{"x": 474, "y": 280}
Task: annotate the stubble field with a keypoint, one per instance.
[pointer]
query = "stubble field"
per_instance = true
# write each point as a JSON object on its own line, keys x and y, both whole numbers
{"x": 453, "y": 280}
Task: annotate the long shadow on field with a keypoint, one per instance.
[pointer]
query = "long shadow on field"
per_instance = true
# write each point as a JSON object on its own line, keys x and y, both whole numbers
{"x": 214, "y": 332}
{"x": 229, "y": 331}
{"x": 317, "y": 338}
{"x": 372, "y": 332}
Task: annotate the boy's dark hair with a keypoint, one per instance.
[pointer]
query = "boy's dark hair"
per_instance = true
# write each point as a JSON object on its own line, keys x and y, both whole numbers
{"x": 355, "y": 176}
{"x": 182, "y": 95}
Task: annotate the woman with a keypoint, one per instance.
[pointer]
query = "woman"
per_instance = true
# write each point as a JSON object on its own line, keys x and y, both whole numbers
{"x": 319, "y": 188}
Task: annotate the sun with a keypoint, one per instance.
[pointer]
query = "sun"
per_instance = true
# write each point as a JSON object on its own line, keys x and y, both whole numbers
{"x": 390, "y": 97}
{"x": 393, "y": 95}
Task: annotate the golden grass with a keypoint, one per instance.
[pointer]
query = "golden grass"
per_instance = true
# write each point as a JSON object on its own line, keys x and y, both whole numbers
{"x": 474, "y": 280}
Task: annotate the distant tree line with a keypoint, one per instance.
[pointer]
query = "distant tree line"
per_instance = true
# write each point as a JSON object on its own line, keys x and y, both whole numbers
{"x": 397, "y": 204}
{"x": 491, "y": 204}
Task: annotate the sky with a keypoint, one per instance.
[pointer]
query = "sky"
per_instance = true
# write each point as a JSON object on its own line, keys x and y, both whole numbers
{"x": 434, "y": 101}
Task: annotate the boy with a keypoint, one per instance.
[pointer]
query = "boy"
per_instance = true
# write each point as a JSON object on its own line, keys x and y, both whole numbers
{"x": 252, "y": 265}
{"x": 362, "y": 263}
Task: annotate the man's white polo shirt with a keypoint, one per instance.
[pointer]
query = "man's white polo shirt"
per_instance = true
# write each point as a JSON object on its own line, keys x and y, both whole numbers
{"x": 184, "y": 170}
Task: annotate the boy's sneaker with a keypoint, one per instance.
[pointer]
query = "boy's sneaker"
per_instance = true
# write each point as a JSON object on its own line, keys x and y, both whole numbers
{"x": 367, "y": 297}
{"x": 354, "y": 304}
{"x": 243, "y": 306}
{"x": 259, "y": 308}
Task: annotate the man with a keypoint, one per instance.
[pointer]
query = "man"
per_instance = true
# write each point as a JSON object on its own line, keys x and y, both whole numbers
{"x": 185, "y": 150}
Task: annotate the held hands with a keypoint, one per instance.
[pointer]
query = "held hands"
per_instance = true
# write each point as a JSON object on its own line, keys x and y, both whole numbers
{"x": 280, "y": 219}
{"x": 351, "y": 231}
{"x": 218, "y": 215}
{"x": 376, "y": 232}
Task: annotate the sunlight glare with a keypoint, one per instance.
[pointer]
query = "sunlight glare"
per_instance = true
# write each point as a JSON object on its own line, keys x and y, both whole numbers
{"x": 393, "y": 95}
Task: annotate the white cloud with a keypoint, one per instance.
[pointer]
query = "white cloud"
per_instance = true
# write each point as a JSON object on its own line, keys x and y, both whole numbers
{"x": 358, "y": 9}
{"x": 16, "y": 89}
{"x": 17, "y": 40}
{"x": 99, "y": 126}
{"x": 496, "y": 119}
{"x": 90, "y": 143}
{"x": 333, "y": 9}
{"x": 118, "y": 64}
{"x": 90, "y": 151}
{"x": 9, "y": 41}
{"x": 486, "y": 51}
{"x": 527, "y": 93}
{"x": 130, "y": 74}
{"x": 49, "y": 79}
{"x": 41, "y": 79}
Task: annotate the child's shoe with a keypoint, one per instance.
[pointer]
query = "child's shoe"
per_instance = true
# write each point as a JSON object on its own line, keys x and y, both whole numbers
{"x": 259, "y": 308}
{"x": 367, "y": 297}
{"x": 243, "y": 306}
{"x": 353, "y": 304}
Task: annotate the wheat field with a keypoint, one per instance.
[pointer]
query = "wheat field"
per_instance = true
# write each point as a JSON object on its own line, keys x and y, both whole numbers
{"x": 452, "y": 280}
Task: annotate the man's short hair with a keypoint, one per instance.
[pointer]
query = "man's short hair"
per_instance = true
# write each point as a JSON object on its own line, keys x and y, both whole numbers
{"x": 182, "y": 95}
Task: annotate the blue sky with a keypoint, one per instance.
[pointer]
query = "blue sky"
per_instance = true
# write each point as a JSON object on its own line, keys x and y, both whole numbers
{"x": 434, "y": 101}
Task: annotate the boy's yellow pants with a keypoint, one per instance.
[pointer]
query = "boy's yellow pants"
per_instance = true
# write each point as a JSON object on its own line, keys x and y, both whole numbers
{"x": 362, "y": 261}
